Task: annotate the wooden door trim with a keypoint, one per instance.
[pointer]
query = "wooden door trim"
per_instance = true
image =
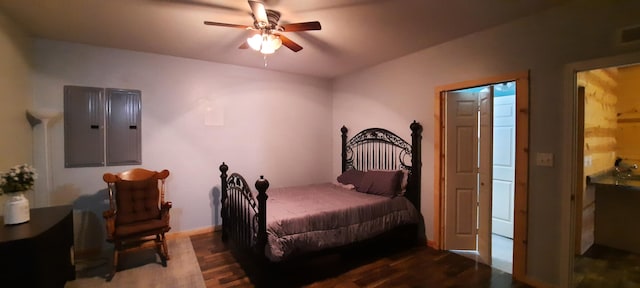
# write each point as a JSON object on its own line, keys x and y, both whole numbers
{"x": 522, "y": 163}
{"x": 579, "y": 206}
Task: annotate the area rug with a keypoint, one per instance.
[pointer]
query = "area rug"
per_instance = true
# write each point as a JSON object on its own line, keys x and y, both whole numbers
{"x": 143, "y": 269}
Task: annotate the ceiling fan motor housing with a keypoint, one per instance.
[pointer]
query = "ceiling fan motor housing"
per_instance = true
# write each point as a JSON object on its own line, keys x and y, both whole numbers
{"x": 273, "y": 16}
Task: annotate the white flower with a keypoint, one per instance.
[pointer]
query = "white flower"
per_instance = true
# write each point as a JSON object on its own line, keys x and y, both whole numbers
{"x": 19, "y": 178}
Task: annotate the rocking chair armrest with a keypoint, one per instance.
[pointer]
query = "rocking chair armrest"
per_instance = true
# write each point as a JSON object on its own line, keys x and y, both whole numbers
{"x": 110, "y": 223}
{"x": 109, "y": 214}
{"x": 164, "y": 212}
{"x": 165, "y": 206}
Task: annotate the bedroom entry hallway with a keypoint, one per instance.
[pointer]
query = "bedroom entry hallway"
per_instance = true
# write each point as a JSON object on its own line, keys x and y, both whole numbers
{"x": 481, "y": 187}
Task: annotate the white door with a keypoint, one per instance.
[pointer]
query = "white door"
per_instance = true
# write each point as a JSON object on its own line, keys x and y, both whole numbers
{"x": 485, "y": 175}
{"x": 504, "y": 155}
{"x": 461, "y": 171}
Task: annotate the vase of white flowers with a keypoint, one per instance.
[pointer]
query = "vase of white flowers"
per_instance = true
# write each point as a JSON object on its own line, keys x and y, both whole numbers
{"x": 14, "y": 183}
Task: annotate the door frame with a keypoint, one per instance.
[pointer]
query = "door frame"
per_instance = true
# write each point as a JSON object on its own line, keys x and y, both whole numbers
{"x": 521, "y": 170}
{"x": 573, "y": 146}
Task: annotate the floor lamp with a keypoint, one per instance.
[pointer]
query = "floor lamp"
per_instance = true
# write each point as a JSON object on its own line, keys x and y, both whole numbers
{"x": 44, "y": 116}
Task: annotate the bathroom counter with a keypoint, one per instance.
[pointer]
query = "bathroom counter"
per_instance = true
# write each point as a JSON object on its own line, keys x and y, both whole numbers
{"x": 608, "y": 178}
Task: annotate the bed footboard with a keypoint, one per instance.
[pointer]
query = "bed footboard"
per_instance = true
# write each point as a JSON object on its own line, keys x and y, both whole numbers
{"x": 243, "y": 215}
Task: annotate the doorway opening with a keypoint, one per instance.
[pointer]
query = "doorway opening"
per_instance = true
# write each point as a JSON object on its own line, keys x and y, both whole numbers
{"x": 464, "y": 186}
{"x": 606, "y": 250}
{"x": 499, "y": 167}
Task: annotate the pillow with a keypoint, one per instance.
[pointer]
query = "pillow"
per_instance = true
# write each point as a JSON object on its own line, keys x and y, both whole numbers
{"x": 351, "y": 176}
{"x": 404, "y": 182}
{"x": 383, "y": 183}
{"x": 345, "y": 186}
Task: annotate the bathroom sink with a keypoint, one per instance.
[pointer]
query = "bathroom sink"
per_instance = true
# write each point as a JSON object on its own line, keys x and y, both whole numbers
{"x": 632, "y": 177}
{"x": 615, "y": 178}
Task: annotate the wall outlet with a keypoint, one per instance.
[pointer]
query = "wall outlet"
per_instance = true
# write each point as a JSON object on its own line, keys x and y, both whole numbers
{"x": 588, "y": 161}
{"x": 544, "y": 159}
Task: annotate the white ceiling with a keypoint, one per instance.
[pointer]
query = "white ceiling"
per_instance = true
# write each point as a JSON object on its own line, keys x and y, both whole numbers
{"x": 355, "y": 33}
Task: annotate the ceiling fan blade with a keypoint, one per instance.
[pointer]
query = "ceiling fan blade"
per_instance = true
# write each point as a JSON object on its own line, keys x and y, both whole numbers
{"x": 289, "y": 43}
{"x": 227, "y": 25}
{"x": 259, "y": 13}
{"x": 244, "y": 45}
{"x": 304, "y": 26}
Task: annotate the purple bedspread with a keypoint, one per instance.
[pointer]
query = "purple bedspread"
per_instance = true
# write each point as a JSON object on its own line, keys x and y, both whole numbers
{"x": 315, "y": 217}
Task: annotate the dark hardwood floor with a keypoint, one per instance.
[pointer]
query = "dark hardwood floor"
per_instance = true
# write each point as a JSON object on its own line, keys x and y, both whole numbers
{"x": 366, "y": 267}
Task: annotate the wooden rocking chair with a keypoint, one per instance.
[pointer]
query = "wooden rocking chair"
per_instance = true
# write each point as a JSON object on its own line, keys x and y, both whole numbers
{"x": 138, "y": 216}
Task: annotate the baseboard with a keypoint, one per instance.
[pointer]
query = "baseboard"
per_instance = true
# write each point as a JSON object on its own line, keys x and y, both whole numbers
{"x": 189, "y": 233}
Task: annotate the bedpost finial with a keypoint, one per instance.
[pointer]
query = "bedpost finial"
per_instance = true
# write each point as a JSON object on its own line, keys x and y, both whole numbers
{"x": 415, "y": 126}
{"x": 262, "y": 184}
{"x": 224, "y": 168}
{"x": 344, "y": 129}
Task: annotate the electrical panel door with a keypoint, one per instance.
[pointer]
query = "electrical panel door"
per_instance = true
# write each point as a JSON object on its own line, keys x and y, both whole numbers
{"x": 123, "y": 127}
{"x": 83, "y": 126}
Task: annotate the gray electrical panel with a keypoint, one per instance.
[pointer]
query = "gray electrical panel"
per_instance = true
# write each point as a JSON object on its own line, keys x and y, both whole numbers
{"x": 102, "y": 126}
{"x": 83, "y": 126}
{"x": 123, "y": 127}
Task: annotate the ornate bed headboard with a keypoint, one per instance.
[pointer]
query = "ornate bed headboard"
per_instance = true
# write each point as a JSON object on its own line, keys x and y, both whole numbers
{"x": 377, "y": 148}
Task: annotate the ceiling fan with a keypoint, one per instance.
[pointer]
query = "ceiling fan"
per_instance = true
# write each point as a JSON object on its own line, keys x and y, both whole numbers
{"x": 268, "y": 37}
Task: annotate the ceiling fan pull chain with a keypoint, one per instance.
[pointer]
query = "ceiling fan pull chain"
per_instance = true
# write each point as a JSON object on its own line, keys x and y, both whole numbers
{"x": 265, "y": 60}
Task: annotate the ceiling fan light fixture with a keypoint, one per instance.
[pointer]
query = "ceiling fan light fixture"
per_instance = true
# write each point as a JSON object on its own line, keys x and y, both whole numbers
{"x": 266, "y": 43}
{"x": 273, "y": 43}
{"x": 255, "y": 42}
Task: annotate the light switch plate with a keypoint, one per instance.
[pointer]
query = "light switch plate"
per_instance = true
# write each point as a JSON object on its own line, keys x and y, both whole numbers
{"x": 544, "y": 159}
{"x": 588, "y": 161}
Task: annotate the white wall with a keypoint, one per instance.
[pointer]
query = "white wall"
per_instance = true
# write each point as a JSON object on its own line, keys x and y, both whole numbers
{"x": 393, "y": 94}
{"x": 15, "y": 132}
{"x": 275, "y": 124}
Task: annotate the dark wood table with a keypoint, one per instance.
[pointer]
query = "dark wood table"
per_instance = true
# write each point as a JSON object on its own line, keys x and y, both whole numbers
{"x": 38, "y": 253}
